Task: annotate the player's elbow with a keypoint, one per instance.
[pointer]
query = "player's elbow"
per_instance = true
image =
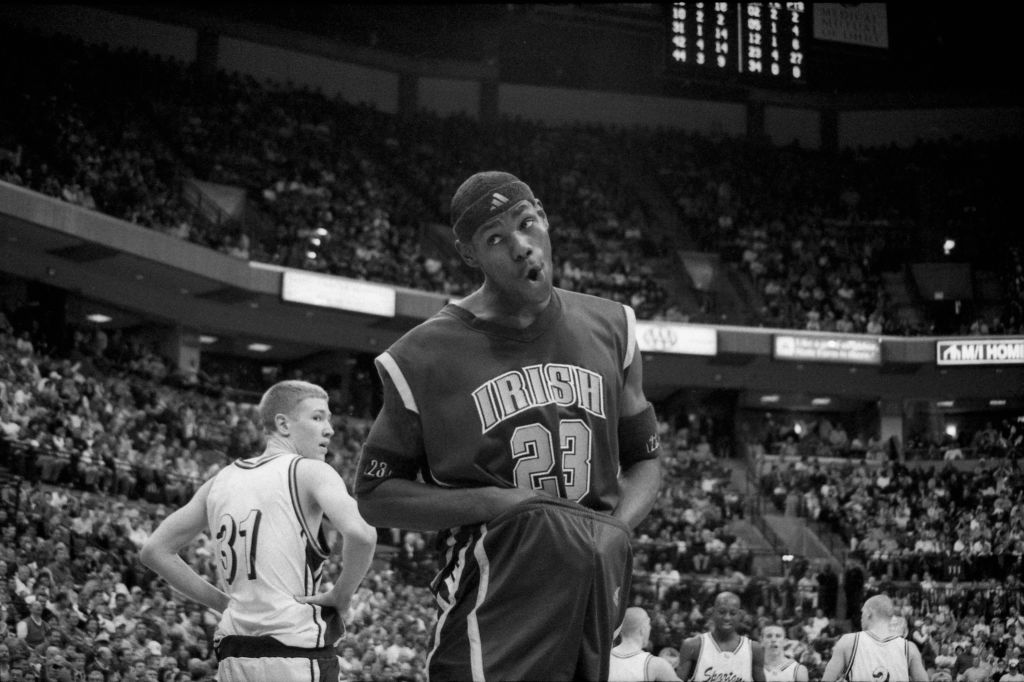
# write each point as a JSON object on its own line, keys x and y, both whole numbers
{"x": 148, "y": 555}
{"x": 364, "y": 534}
{"x": 373, "y": 509}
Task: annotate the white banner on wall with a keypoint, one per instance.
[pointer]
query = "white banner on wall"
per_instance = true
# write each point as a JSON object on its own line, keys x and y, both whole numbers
{"x": 827, "y": 349}
{"x": 976, "y": 352}
{"x": 864, "y": 23}
{"x": 329, "y": 291}
{"x": 680, "y": 339}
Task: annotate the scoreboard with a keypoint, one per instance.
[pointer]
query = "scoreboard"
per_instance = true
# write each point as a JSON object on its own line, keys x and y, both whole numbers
{"x": 764, "y": 42}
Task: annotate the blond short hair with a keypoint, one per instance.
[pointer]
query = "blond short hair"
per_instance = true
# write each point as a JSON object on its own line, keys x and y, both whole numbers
{"x": 634, "y": 621}
{"x": 283, "y": 397}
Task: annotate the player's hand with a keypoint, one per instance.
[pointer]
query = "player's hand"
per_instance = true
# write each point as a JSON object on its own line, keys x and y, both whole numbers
{"x": 334, "y": 610}
{"x": 506, "y": 498}
{"x": 328, "y": 600}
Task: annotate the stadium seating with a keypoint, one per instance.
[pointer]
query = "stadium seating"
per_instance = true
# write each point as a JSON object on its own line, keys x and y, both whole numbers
{"x": 100, "y": 442}
{"x": 345, "y": 189}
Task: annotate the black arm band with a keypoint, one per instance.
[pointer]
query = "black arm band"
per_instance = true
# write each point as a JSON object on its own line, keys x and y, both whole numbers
{"x": 638, "y": 437}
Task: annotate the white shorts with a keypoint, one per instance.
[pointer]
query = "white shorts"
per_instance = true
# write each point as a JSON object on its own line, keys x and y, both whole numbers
{"x": 238, "y": 669}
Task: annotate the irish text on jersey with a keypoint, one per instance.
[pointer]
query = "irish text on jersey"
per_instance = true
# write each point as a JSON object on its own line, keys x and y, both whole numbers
{"x": 514, "y": 392}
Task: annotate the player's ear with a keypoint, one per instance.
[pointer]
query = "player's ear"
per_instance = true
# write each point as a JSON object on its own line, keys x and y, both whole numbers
{"x": 542, "y": 213}
{"x": 468, "y": 253}
{"x": 281, "y": 422}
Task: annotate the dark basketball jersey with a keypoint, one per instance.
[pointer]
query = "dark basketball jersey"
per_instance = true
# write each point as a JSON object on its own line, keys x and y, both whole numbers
{"x": 534, "y": 408}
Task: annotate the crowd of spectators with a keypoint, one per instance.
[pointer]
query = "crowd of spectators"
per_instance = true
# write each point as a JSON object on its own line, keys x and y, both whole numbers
{"x": 815, "y": 232}
{"x": 911, "y": 522}
{"x": 350, "y": 190}
{"x": 955, "y": 625}
{"x": 994, "y": 438}
{"x": 688, "y": 529}
{"x": 808, "y": 435}
{"x": 101, "y": 441}
{"x": 340, "y": 188}
{"x": 784, "y": 218}
{"x": 77, "y": 602}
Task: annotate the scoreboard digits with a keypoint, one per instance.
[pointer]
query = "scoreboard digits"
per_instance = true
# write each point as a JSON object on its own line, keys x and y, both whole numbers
{"x": 764, "y": 41}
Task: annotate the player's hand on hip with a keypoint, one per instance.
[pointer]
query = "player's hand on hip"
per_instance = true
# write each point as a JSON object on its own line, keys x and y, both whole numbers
{"x": 328, "y": 600}
{"x": 506, "y": 498}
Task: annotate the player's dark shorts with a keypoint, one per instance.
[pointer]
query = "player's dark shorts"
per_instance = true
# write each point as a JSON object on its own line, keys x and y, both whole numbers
{"x": 264, "y": 659}
{"x": 537, "y": 594}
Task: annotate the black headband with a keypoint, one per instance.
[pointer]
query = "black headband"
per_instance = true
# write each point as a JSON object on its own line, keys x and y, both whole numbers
{"x": 493, "y": 201}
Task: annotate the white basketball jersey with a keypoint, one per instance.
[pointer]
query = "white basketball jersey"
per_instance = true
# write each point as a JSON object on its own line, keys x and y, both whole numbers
{"x": 267, "y": 554}
{"x": 630, "y": 667}
{"x": 784, "y": 673}
{"x": 878, "y": 660}
{"x": 715, "y": 665}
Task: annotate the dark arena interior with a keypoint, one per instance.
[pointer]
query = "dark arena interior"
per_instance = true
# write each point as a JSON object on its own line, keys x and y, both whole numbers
{"x": 809, "y": 207}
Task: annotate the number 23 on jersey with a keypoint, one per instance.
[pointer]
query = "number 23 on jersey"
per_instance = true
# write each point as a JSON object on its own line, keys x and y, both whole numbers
{"x": 563, "y": 471}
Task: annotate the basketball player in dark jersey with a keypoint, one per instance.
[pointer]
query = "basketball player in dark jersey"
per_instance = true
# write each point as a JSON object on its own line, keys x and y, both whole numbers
{"x": 515, "y": 423}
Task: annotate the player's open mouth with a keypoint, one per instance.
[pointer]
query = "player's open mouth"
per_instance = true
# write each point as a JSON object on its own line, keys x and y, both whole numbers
{"x": 533, "y": 274}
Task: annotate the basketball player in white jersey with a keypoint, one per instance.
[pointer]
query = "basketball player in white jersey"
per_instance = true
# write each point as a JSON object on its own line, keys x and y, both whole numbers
{"x": 265, "y": 514}
{"x": 722, "y": 655}
{"x": 629, "y": 661}
{"x": 875, "y": 654}
{"x": 777, "y": 666}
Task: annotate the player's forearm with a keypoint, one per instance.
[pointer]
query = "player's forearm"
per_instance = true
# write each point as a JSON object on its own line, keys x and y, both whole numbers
{"x": 638, "y": 489}
{"x": 356, "y": 557}
{"x": 399, "y": 503}
{"x": 832, "y": 670}
{"x": 181, "y": 577}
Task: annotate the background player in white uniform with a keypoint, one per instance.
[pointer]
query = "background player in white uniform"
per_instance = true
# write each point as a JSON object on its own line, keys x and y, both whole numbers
{"x": 875, "y": 654}
{"x": 777, "y": 666}
{"x": 722, "y": 655}
{"x": 265, "y": 514}
{"x": 630, "y": 662}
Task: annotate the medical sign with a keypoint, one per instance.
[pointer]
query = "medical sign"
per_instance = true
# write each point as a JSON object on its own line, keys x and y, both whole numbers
{"x": 828, "y": 349}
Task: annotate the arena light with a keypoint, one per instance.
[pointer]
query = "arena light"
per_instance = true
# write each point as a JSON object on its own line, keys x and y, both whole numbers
{"x": 821, "y": 401}
{"x": 997, "y": 402}
{"x": 944, "y": 403}
{"x": 259, "y": 347}
{"x": 951, "y": 430}
{"x": 207, "y": 339}
{"x": 99, "y": 318}
{"x": 774, "y": 398}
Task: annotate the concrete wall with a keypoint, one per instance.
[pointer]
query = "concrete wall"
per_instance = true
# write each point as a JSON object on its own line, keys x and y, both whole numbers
{"x": 562, "y": 105}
